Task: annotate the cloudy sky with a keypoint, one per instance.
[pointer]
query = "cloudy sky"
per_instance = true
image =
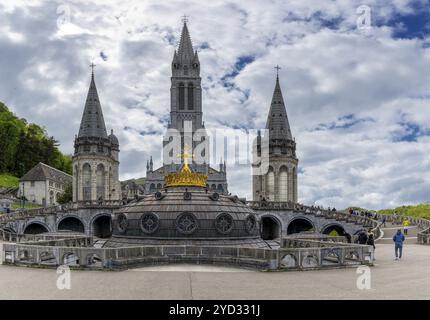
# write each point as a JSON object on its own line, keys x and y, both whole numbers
{"x": 357, "y": 96}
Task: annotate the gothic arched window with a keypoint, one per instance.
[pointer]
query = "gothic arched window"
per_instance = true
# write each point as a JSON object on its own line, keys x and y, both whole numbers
{"x": 181, "y": 98}
{"x": 190, "y": 96}
{"x": 100, "y": 182}
{"x": 283, "y": 184}
{"x": 86, "y": 181}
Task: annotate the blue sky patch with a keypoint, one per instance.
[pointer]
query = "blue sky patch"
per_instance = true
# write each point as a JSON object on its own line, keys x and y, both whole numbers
{"x": 413, "y": 25}
{"x": 410, "y": 132}
{"x": 343, "y": 122}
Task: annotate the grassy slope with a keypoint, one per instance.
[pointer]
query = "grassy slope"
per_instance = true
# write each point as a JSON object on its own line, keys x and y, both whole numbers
{"x": 8, "y": 181}
{"x": 421, "y": 210}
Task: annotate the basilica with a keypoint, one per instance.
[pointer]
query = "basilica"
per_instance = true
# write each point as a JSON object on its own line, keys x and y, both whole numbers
{"x": 96, "y": 158}
{"x": 185, "y": 213}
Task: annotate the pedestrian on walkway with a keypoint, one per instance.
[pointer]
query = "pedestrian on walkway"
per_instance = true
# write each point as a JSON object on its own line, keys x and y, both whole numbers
{"x": 394, "y": 218}
{"x": 371, "y": 242}
{"x": 362, "y": 237}
{"x": 406, "y": 224}
{"x": 384, "y": 221}
{"x": 398, "y": 239}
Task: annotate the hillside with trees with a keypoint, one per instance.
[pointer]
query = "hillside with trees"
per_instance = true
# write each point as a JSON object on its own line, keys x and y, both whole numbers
{"x": 23, "y": 145}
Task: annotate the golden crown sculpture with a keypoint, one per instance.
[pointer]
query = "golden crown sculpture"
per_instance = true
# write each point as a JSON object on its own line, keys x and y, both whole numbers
{"x": 185, "y": 177}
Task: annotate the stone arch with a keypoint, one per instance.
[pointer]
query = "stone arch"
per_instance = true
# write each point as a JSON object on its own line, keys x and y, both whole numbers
{"x": 101, "y": 225}
{"x": 300, "y": 224}
{"x": 213, "y": 186}
{"x": 220, "y": 188}
{"x": 36, "y": 227}
{"x": 86, "y": 182}
{"x": 71, "y": 223}
{"x": 159, "y": 186}
{"x": 283, "y": 183}
{"x": 271, "y": 227}
{"x": 270, "y": 184}
{"x": 100, "y": 182}
{"x": 340, "y": 230}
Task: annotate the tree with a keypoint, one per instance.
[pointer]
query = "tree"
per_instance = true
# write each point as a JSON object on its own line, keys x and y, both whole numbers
{"x": 66, "y": 196}
{"x": 23, "y": 145}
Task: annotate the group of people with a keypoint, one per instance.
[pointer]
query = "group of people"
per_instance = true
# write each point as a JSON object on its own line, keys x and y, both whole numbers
{"x": 368, "y": 214}
{"x": 368, "y": 238}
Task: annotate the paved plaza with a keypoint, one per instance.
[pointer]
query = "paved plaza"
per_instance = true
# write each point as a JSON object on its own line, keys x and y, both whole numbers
{"x": 406, "y": 279}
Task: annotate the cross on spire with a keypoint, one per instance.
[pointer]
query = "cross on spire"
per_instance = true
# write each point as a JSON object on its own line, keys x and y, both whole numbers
{"x": 184, "y": 18}
{"x": 92, "y": 65}
{"x": 277, "y": 70}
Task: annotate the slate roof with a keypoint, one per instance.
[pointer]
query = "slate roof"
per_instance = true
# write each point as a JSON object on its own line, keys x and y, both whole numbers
{"x": 277, "y": 120}
{"x": 92, "y": 123}
{"x": 43, "y": 172}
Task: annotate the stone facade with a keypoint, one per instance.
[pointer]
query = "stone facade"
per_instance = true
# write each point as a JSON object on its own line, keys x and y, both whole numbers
{"x": 95, "y": 162}
{"x": 43, "y": 184}
{"x": 277, "y": 149}
{"x": 186, "y": 114}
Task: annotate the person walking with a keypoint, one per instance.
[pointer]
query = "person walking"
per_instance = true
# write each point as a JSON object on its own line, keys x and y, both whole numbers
{"x": 384, "y": 221}
{"x": 362, "y": 237}
{"x": 398, "y": 240}
{"x": 371, "y": 242}
{"x": 406, "y": 224}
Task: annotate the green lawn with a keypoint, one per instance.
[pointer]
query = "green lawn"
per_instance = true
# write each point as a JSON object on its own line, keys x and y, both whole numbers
{"x": 421, "y": 210}
{"x": 28, "y": 205}
{"x": 8, "y": 181}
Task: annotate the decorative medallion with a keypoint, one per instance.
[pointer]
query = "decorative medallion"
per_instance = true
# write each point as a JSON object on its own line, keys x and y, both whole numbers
{"x": 186, "y": 223}
{"x": 224, "y": 223}
{"x": 149, "y": 222}
{"x": 122, "y": 222}
{"x": 214, "y": 196}
{"x": 250, "y": 223}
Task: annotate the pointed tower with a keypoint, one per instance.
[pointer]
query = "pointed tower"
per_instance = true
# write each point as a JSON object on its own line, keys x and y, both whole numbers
{"x": 95, "y": 161}
{"x": 186, "y": 91}
{"x": 186, "y": 116}
{"x": 279, "y": 183}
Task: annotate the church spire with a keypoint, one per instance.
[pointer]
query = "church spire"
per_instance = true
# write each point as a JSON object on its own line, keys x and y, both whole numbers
{"x": 185, "y": 49}
{"x": 277, "y": 120}
{"x": 92, "y": 123}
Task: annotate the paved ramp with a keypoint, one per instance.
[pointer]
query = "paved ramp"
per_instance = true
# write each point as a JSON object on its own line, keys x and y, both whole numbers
{"x": 390, "y": 230}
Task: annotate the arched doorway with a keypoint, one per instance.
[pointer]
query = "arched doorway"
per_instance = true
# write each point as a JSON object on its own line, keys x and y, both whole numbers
{"x": 71, "y": 224}
{"x": 102, "y": 226}
{"x": 334, "y": 230}
{"x": 299, "y": 225}
{"x": 35, "y": 228}
{"x": 270, "y": 228}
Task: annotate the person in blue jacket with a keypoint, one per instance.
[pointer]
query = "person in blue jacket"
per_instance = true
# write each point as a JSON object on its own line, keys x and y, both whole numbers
{"x": 398, "y": 239}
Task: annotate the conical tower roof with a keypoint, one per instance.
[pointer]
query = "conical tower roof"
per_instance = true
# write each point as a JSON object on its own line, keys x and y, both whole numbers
{"x": 185, "y": 49}
{"x": 92, "y": 123}
{"x": 277, "y": 119}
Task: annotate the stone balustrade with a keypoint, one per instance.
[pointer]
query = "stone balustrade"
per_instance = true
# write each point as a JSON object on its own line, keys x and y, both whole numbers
{"x": 423, "y": 237}
{"x": 308, "y": 254}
